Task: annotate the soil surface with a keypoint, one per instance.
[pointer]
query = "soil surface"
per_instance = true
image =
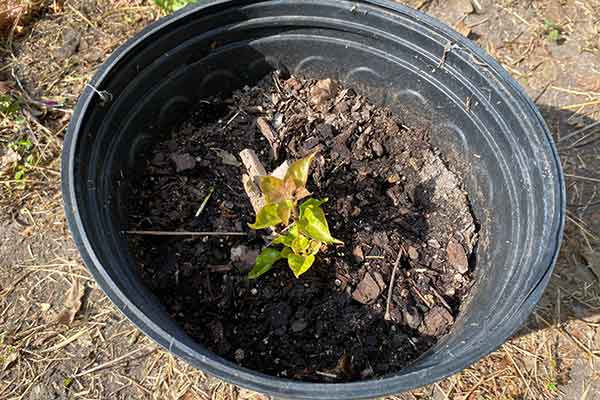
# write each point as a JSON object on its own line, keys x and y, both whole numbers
{"x": 391, "y": 196}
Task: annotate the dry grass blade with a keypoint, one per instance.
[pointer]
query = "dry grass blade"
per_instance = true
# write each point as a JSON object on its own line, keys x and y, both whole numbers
{"x": 65, "y": 342}
{"x": 184, "y": 233}
{"x": 113, "y": 362}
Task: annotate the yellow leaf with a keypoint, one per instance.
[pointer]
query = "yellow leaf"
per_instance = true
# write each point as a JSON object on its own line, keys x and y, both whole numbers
{"x": 273, "y": 189}
{"x": 298, "y": 171}
{"x": 284, "y": 210}
{"x": 300, "y": 245}
{"x": 300, "y": 264}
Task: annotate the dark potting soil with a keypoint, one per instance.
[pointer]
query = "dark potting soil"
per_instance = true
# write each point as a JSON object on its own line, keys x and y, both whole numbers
{"x": 389, "y": 193}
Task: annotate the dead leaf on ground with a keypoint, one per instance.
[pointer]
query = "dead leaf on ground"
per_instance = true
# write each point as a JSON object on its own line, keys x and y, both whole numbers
{"x": 5, "y": 87}
{"x": 9, "y": 159}
{"x": 227, "y": 158}
{"x": 10, "y": 358}
{"x": 462, "y": 28}
{"x": 73, "y": 303}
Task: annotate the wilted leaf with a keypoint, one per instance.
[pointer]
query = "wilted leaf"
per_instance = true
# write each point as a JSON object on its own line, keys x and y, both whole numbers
{"x": 273, "y": 189}
{"x": 298, "y": 171}
{"x": 10, "y": 158}
{"x": 300, "y": 264}
{"x": 72, "y": 304}
{"x": 227, "y": 158}
{"x": 301, "y": 193}
{"x": 264, "y": 262}
{"x": 288, "y": 238}
{"x": 313, "y": 223}
{"x": 284, "y": 210}
{"x": 300, "y": 244}
{"x": 9, "y": 357}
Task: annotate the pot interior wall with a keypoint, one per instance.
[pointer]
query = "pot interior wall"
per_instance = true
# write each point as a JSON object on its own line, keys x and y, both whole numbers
{"x": 383, "y": 55}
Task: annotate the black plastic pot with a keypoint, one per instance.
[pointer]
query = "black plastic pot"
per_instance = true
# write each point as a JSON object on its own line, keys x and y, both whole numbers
{"x": 394, "y": 54}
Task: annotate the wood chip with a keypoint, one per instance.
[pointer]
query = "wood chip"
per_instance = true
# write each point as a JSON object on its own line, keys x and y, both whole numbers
{"x": 462, "y": 28}
{"x": 457, "y": 257}
{"x": 367, "y": 290}
{"x": 269, "y": 133}
{"x": 436, "y": 321}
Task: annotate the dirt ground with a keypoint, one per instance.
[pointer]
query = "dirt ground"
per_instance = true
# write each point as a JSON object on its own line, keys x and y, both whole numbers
{"x": 60, "y": 338}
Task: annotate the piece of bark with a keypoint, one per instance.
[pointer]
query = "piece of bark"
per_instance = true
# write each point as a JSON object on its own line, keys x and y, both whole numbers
{"x": 252, "y": 163}
{"x": 253, "y": 193}
{"x": 255, "y": 169}
{"x": 367, "y": 290}
{"x": 269, "y": 133}
{"x": 280, "y": 171}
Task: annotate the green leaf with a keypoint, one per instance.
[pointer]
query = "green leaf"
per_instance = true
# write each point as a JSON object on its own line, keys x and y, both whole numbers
{"x": 300, "y": 245}
{"x": 20, "y": 174}
{"x": 297, "y": 172}
{"x": 172, "y": 5}
{"x": 273, "y": 189}
{"x": 312, "y": 221}
{"x": 266, "y": 217}
{"x": 300, "y": 264}
{"x": 67, "y": 382}
{"x": 288, "y": 238}
{"x": 264, "y": 262}
{"x": 310, "y": 203}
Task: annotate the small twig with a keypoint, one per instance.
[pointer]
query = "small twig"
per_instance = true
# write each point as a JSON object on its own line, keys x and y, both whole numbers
{"x": 447, "y": 50}
{"x": 232, "y": 119}
{"x": 219, "y": 268}
{"x": 387, "y": 316}
{"x": 111, "y": 363}
{"x": 326, "y": 374}
{"x": 269, "y": 133}
{"x": 66, "y": 341}
{"x": 441, "y": 299}
{"x": 210, "y": 192}
{"x": 583, "y": 178}
{"x": 184, "y": 233}
{"x": 578, "y": 131}
{"x": 419, "y": 294}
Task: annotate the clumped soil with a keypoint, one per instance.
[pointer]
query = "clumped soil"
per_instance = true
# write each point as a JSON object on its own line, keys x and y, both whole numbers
{"x": 390, "y": 194}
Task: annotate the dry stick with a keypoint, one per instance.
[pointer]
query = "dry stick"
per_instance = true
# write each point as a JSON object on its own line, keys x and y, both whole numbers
{"x": 112, "y": 362}
{"x": 387, "y": 316}
{"x": 441, "y": 299}
{"x": 184, "y": 233}
{"x": 66, "y": 341}
{"x": 578, "y": 131}
{"x": 269, "y": 133}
